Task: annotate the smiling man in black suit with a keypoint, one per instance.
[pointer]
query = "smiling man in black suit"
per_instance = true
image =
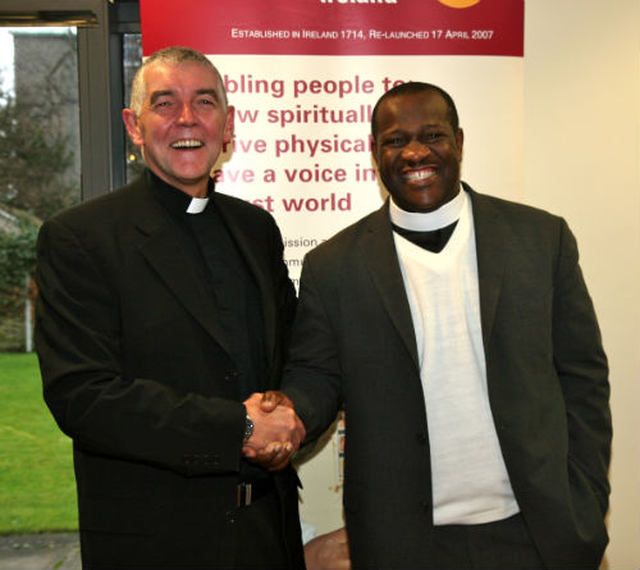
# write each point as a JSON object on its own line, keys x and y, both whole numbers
{"x": 164, "y": 307}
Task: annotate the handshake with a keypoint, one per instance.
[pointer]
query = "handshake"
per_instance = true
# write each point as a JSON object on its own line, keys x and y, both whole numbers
{"x": 278, "y": 432}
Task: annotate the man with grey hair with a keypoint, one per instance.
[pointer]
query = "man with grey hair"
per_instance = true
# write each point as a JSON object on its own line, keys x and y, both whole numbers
{"x": 164, "y": 309}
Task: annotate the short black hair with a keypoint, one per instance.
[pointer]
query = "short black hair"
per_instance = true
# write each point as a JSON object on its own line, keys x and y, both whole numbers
{"x": 416, "y": 87}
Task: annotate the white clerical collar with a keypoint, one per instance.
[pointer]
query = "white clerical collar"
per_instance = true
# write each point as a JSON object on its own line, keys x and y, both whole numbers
{"x": 197, "y": 205}
{"x": 428, "y": 221}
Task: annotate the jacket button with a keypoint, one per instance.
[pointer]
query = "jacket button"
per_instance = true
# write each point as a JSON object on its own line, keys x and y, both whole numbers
{"x": 231, "y": 516}
{"x": 422, "y": 438}
{"x": 212, "y": 459}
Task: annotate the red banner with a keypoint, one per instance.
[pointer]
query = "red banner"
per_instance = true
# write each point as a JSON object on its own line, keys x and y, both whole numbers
{"x": 336, "y": 27}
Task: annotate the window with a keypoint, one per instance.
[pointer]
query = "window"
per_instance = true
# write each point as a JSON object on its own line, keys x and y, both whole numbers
{"x": 63, "y": 70}
{"x": 132, "y": 58}
{"x": 61, "y": 141}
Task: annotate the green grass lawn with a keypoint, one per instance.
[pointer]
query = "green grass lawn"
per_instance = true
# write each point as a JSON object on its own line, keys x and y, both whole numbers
{"x": 37, "y": 488}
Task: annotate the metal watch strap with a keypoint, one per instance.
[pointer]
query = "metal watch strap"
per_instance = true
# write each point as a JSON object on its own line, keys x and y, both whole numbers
{"x": 248, "y": 428}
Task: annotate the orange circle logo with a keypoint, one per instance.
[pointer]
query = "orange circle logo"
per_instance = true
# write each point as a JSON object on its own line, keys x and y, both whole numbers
{"x": 459, "y": 3}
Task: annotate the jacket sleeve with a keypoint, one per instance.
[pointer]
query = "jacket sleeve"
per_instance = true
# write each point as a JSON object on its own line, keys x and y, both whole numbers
{"x": 286, "y": 299}
{"x": 582, "y": 368}
{"x": 312, "y": 376}
{"x": 78, "y": 341}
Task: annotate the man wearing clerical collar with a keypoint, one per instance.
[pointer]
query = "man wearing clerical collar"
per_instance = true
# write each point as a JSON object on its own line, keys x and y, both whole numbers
{"x": 417, "y": 146}
{"x": 180, "y": 118}
{"x": 164, "y": 309}
{"x": 456, "y": 331}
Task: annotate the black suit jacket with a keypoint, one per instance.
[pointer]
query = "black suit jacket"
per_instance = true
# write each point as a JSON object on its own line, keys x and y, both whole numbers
{"x": 353, "y": 342}
{"x": 136, "y": 371}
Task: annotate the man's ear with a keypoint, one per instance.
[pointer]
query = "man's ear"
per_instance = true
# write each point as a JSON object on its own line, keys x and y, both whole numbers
{"x": 229, "y": 125}
{"x": 460, "y": 141}
{"x": 131, "y": 124}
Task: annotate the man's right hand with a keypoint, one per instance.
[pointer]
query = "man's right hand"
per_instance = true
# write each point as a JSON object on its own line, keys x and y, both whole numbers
{"x": 277, "y": 433}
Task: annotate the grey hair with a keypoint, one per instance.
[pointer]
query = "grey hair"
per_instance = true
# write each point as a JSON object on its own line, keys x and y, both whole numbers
{"x": 174, "y": 55}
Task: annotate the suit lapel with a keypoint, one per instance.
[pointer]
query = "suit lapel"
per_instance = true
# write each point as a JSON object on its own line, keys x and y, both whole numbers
{"x": 490, "y": 248}
{"x": 168, "y": 252}
{"x": 381, "y": 259}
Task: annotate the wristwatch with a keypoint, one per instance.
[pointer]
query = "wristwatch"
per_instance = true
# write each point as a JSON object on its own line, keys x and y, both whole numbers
{"x": 248, "y": 428}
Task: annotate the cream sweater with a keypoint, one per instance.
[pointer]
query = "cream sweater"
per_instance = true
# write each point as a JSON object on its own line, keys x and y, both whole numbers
{"x": 470, "y": 481}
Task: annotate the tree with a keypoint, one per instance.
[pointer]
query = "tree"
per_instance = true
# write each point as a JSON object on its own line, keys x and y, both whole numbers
{"x": 32, "y": 161}
{"x": 38, "y": 139}
{"x": 17, "y": 254}
{"x": 18, "y": 235}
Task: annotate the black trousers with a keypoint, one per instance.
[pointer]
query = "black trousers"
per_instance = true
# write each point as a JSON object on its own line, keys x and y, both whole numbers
{"x": 500, "y": 545}
{"x": 260, "y": 545}
{"x": 260, "y": 539}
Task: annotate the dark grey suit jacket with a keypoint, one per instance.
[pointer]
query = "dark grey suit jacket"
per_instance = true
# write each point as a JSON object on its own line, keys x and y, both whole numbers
{"x": 136, "y": 371}
{"x": 547, "y": 379}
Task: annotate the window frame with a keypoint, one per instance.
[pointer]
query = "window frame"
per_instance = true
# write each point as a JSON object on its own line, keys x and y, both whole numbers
{"x": 100, "y": 85}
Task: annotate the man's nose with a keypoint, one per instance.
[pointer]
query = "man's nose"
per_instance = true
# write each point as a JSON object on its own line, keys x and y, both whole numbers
{"x": 186, "y": 115}
{"x": 415, "y": 151}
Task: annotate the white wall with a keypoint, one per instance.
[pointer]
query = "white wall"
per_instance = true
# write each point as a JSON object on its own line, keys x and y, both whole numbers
{"x": 582, "y": 132}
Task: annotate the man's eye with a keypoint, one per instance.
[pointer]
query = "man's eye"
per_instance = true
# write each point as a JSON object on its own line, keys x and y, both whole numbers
{"x": 394, "y": 141}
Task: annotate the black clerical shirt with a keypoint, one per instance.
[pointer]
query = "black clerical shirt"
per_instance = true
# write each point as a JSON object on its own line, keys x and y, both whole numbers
{"x": 236, "y": 297}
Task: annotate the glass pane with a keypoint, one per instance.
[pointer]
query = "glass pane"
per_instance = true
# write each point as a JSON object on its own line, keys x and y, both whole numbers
{"x": 132, "y": 59}
{"x": 39, "y": 175}
{"x": 39, "y": 159}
